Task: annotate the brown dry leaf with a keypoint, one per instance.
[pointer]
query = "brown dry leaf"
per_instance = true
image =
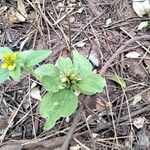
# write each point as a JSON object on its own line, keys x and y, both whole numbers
{"x": 21, "y": 8}
{"x": 15, "y": 17}
{"x": 102, "y": 105}
{"x": 18, "y": 16}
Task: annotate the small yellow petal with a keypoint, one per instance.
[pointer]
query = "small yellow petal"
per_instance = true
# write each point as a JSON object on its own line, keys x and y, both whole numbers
{"x": 5, "y": 65}
{"x": 6, "y": 56}
{"x": 12, "y": 67}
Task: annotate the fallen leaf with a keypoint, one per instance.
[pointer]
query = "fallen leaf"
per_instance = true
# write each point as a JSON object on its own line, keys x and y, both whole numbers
{"x": 94, "y": 135}
{"x": 108, "y": 21}
{"x": 34, "y": 84}
{"x": 94, "y": 58}
{"x": 21, "y": 8}
{"x": 35, "y": 93}
{"x": 80, "y": 10}
{"x": 118, "y": 80}
{"x": 139, "y": 122}
{"x": 141, "y": 7}
{"x": 142, "y": 25}
{"x": 102, "y": 105}
{"x": 133, "y": 54}
{"x": 18, "y": 16}
{"x": 137, "y": 98}
{"x": 80, "y": 44}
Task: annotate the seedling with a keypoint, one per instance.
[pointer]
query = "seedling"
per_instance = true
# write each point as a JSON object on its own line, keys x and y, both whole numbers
{"x": 61, "y": 80}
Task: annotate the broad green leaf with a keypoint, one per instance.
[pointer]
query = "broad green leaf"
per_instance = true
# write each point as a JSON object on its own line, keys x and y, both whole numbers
{"x": 4, "y": 50}
{"x": 3, "y": 75}
{"x": 47, "y": 70}
{"x": 91, "y": 84}
{"x": 64, "y": 64}
{"x": 56, "y": 105}
{"x": 118, "y": 80}
{"x": 51, "y": 83}
{"x": 16, "y": 73}
{"x": 81, "y": 63}
{"x": 35, "y": 57}
{"x": 50, "y": 123}
{"x": 24, "y": 54}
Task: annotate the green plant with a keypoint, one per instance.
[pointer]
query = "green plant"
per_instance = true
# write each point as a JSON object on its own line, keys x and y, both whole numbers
{"x": 12, "y": 63}
{"x": 61, "y": 81}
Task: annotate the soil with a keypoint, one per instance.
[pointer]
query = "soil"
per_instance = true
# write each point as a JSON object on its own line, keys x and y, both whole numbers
{"x": 108, "y": 120}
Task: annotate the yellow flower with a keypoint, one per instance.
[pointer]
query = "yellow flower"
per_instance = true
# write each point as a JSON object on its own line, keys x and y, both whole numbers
{"x": 9, "y": 61}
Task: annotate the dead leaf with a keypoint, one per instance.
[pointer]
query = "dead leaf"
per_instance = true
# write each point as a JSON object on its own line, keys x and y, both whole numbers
{"x": 21, "y": 8}
{"x": 18, "y": 16}
{"x": 94, "y": 58}
{"x": 102, "y": 105}
{"x": 108, "y": 21}
{"x": 118, "y": 80}
{"x": 141, "y": 7}
{"x": 139, "y": 122}
{"x": 80, "y": 44}
{"x": 35, "y": 93}
{"x": 133, "y": 54}
{"x": 95, "y": 135}
{"x": 142, "y": 25}
{"x": 80, "y": 10}
{"x": 137, "y": 98}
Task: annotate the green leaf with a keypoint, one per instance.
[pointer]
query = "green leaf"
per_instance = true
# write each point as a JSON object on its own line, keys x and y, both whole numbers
{"x": 24, "y": 54}
{"x": 47, "y": 70}
{"x": 56, "y": 105}
{"x": 35, "y": 57}
{"x": 81, "y": 63}
{"x": 3, "y": 75}
{"x": 64, "y": 64}
{"x": 16, "y": 73}
{"x": 91, "y": 84}
{"x": 51, "y": 83}
{"x": 118, "y": 80}
{"x": 4, "y": 50}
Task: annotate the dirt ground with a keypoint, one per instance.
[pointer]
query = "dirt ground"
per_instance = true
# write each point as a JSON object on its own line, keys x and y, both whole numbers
{"x": 116, "y": 119}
